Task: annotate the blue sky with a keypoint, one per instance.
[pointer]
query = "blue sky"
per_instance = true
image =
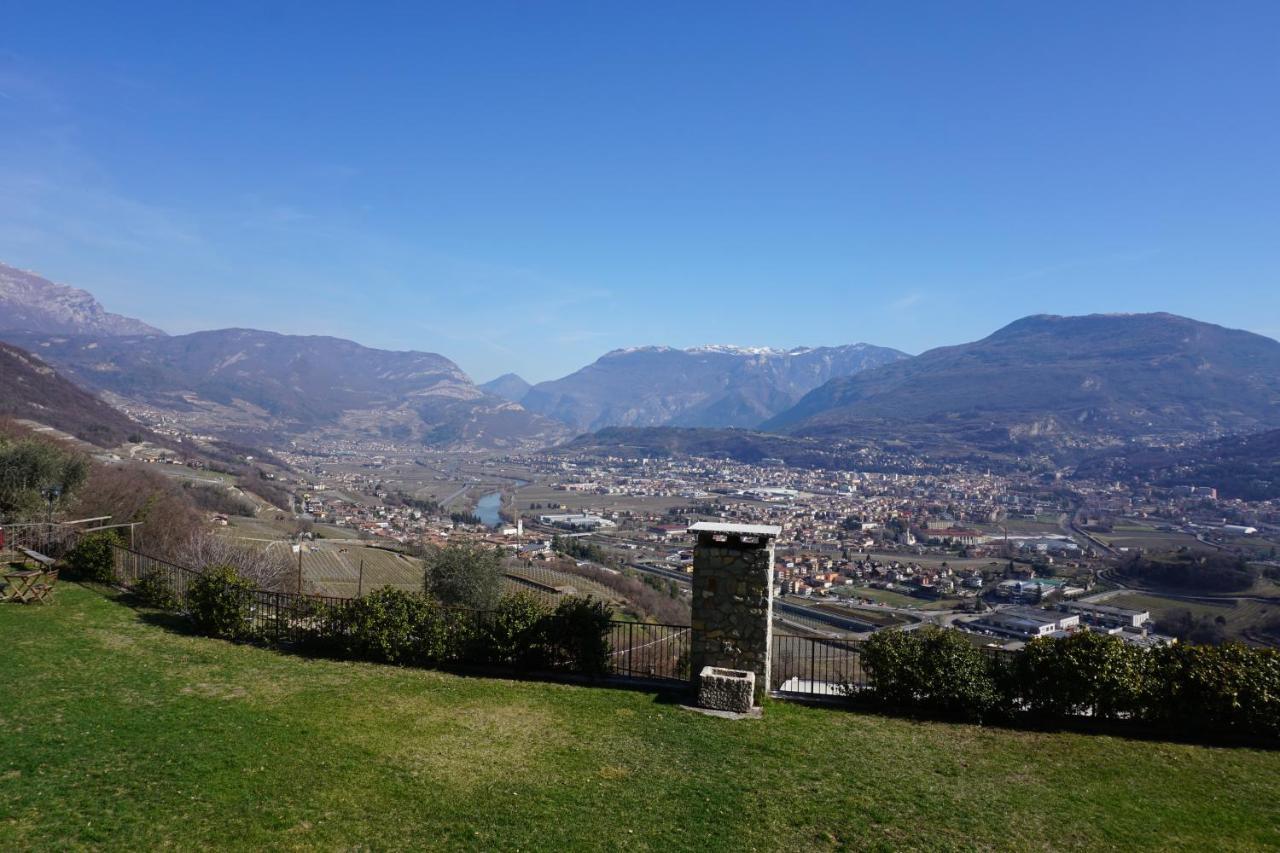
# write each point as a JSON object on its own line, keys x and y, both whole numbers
{"x": 525, "y": 186}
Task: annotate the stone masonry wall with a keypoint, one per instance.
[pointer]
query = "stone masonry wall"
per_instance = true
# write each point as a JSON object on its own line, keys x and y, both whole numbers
{"x": 732, "y": 608}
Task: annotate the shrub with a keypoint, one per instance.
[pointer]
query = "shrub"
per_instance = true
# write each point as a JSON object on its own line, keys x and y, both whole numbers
{"x": 394, "y": 626}
{"x": 931, "y": 669}
{"x": 387, "y": 625}
{"x": 155, "y": 589}
{"x": 515, "y": 633}
{"x": 219, "y": 603}
{"x": 1182, "y": 689}
{"x": 1085, "y": 673}
{"x": 93, "y": 558}
{"x": 1215, "y": 689}
{"x": 465, "y": 575}
{"x": 578, "y": 636}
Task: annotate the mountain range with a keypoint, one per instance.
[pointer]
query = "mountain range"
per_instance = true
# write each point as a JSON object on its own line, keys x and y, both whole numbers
{"x": 1060, "y": 382}
{"x": 29, "y": 302}
{"x": 710, "y": 386}
{"x": 252, "y": 384}
{"x": 1059, "y": 388}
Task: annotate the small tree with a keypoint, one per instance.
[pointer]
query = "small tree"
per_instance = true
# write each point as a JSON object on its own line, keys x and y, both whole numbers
{"x": 34, "y": 472}
{"x": 578, "y": 635}
{"x": 465, "y": 575}
{"x": 219, "y": 602}
{"x": 92, "y": 559}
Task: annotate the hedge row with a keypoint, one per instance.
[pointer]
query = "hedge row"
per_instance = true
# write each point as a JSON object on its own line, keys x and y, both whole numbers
{"x": 1181, "y": 689}
{"x": 408, "y": 628}
{"x": 394, "y": 626}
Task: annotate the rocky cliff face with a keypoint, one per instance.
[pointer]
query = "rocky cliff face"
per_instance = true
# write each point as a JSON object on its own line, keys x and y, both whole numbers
{"x": 30, "y": 303}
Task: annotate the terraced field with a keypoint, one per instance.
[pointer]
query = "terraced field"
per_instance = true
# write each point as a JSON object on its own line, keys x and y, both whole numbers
{"x": 332, "y": 569}
{"x": 551, "y": 577}
{"x": 512, "y": 585}
{"x": 266, "y": 527}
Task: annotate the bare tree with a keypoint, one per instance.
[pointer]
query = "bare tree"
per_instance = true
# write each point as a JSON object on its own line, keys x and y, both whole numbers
{"x": 269, "y": 568}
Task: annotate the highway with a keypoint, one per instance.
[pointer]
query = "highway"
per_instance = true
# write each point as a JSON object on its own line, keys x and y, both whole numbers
{"x": 844, "y": 623}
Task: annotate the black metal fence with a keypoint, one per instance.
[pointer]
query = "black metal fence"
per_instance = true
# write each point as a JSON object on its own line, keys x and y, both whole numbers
{"x": 642, "y": 650}
{"x": 800, "y": 665}
{"x": 827, "y": 666}
{"x": 282, "y": 617}
{"x": 816, "y": 666}
{"x": 637, "y": 650}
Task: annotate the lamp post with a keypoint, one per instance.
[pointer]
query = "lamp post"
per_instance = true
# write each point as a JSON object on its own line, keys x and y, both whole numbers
{"x": 51, "y": 494}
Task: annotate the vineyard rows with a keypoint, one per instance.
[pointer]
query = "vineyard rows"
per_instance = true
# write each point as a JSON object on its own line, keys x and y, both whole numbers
{"x": 335, "y": 570}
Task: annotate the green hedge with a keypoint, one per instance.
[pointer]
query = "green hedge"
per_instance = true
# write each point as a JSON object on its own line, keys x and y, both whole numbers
{"x": 1182, "y": 690}
{"x": 930, "y": 669}
{"x": 219, "y": 603}
{"x": 408, "y": 628}
{"x": 394, "y": 626}
{"x": 1206, "y": 689}
{"x": 1085, "y": 674}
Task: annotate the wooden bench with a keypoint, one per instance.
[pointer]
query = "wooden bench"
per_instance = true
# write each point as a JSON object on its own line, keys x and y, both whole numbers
{"x": 39, "y": 559}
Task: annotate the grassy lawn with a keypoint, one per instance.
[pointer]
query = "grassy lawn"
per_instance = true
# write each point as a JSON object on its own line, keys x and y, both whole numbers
{"x": 896, "y": 599}
{"x": 1134, "y": 535}
{"x": 1241, "y": 616}
{"x": 116, "y": 732}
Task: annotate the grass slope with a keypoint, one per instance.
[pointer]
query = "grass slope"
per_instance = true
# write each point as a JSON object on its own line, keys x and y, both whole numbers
{"x": 115, "y": 732}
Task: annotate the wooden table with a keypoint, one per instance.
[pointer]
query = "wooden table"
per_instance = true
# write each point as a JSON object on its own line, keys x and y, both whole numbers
{"x": 22, "y": 585}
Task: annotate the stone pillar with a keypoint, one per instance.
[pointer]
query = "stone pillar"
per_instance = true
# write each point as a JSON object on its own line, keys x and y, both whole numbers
{"x": 733, "y": 600}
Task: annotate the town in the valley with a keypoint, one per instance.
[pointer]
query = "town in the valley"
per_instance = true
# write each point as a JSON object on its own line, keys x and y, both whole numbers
{"x": 1002, "y": 557}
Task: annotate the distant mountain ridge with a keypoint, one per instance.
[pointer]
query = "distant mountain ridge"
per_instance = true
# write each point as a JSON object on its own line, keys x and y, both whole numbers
{"x": 31, "y": 303}
{"x": 1060, "y": 381}
{"x": 707, "y": 386}
{"x": 1062, "y": 387}
{"x": 250, "y": 383}
{"x": 508, "y": 386}
{"x": 31, "y": 390}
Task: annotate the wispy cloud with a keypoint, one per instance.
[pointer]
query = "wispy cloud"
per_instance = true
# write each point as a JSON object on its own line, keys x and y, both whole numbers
{"x": 1110, "y": 259}
{"x": 907, "y": 302}
{"x": 264, "y": 214}
{"x": 580, "y": 336}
